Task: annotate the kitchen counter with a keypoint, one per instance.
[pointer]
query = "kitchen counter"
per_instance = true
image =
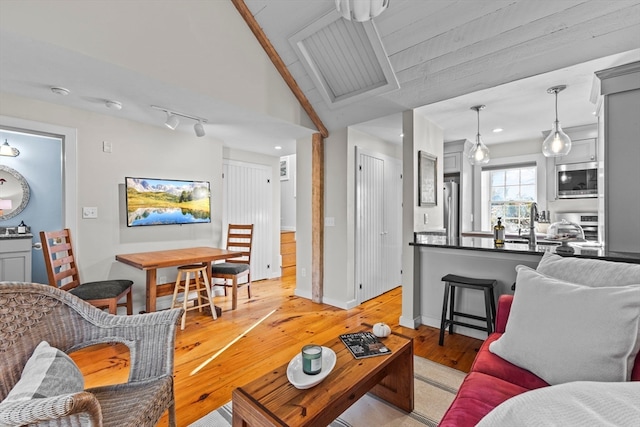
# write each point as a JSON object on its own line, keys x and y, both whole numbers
{"x": 435, "y": 256}
{"x": 581, "y": 249}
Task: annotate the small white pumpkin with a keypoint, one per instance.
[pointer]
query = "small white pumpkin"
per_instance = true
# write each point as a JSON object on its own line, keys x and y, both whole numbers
{"x": 381, "y": 330}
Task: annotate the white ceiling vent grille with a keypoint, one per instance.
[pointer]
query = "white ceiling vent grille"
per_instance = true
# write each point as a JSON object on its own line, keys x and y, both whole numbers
{"x": 345, "y": 59}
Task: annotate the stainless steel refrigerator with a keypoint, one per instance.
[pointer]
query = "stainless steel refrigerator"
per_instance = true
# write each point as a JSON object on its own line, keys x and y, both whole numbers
{"x": 451, "y": 210}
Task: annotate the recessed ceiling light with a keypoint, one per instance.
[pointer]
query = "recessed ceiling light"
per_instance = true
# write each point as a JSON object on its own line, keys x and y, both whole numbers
{"x": 401, "y": 135}
{"x": 114, "y": 105}
{"x": 277, "y": 147}
{"x": 497, "y": 130}
{"x": 60, "y": 91}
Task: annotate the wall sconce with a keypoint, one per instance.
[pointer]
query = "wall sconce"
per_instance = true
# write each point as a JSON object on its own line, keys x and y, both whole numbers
{"x": 173, "y": 120}
{"x": 7, "y": 150}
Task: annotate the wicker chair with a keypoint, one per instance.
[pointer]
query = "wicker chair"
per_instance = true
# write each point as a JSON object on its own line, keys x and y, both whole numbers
{"x": 31, "y": 313}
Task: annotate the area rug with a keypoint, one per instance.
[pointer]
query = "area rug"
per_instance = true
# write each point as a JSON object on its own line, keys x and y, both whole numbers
{"x": 435, "y": 386}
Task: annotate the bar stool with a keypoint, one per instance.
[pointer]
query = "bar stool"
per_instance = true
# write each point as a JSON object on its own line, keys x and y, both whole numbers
{"x": 451, "y": 283}
{"x": 200, "y": 277}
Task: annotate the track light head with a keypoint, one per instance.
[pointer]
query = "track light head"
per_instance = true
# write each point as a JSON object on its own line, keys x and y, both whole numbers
{"x": 199, "y": 129}
{"x": 172, "y": 121}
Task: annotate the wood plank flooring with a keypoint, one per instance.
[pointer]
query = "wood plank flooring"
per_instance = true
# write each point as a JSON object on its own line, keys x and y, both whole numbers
{"x": 290, "y": 323}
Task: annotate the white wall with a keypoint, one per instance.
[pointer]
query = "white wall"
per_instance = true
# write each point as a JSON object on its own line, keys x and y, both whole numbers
{"x": 288, "y": 197}
{"x": 138, "y": 150}
{"x": 338, "y": 204}
{"x": 428, "y": 137}
{"x": 419, "y": 134}
{"x": 303, "y": 218}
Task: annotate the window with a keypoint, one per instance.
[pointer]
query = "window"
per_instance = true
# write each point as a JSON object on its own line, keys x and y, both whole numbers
{"x": 511, "y": 190}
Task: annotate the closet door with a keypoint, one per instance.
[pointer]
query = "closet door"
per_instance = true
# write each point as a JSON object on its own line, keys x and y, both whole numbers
{"x": 378, "y": 224}
{"x": 247, "y": 199}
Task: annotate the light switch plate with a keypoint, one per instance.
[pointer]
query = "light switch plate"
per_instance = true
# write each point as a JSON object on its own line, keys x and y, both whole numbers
{"x": 89, "y": 212}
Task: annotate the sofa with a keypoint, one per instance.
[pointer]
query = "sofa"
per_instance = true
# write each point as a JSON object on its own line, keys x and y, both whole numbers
{"x": 595, "y": 349}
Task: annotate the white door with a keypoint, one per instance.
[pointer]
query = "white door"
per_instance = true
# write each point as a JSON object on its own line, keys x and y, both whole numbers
{"x": 247, "y": 199}
{"x": 378, "y": 224}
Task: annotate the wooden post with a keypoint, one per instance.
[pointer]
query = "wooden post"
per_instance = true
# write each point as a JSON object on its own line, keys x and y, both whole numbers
{"x": 317, "y": 217}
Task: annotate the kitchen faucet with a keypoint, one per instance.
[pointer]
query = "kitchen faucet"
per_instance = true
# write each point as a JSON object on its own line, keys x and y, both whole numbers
{"x": 533, "y": 217}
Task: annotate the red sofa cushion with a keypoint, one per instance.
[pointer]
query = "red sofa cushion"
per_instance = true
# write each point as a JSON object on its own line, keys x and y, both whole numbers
{"x": 478, "y": 395}
{"x": 491, "y": 364}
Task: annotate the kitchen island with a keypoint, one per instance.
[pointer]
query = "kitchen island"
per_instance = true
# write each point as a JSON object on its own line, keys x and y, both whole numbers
{"x": 478, "y": 257}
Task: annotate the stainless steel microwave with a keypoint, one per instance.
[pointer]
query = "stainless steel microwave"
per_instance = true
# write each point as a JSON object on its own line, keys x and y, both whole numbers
{"x": 577, "y": 180}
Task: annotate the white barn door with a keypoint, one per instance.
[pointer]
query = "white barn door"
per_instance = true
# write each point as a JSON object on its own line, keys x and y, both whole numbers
{"x": 378, "y": 224}
{"x": 247, "y": 199}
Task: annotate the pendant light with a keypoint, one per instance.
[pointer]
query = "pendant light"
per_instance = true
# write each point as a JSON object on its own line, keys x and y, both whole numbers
{"x": 361, "y": 10}
{"x": 7, "y": 150}
{"x": 479, "y": 153}
{"x": 557, "y": 143}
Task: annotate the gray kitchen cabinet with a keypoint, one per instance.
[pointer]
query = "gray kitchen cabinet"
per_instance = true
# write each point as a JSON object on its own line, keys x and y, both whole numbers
{"x": 15, "y": 259}
{"x": 582, "y": 151}
{"x": 451, "y": 162}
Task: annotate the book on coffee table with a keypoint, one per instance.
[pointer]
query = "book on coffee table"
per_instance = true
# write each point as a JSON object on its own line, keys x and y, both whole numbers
{"x": 364, "y": 344}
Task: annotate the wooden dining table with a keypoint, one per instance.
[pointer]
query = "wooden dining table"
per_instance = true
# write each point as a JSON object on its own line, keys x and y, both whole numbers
{"x": 150, "y": 262}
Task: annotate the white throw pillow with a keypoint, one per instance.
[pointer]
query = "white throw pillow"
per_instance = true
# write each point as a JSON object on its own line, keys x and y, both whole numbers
{"x": 48, "y": 372}
{"x": 579, "y": 403}
{"x": 589, "y": 272}
{"x": 565, "y": 332}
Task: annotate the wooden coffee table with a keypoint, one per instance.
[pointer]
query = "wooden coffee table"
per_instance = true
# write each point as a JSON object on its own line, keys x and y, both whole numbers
{"x": 272, "y": 401}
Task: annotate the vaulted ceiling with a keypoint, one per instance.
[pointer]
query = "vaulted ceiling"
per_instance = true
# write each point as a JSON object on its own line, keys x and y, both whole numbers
{"x": 441, "y": 56}
{"x": 440, "y": 50}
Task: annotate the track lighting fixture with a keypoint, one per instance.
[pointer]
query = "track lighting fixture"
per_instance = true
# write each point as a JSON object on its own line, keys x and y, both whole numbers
{"x": 199, "y": 129}
{"x": 173, "y": 120}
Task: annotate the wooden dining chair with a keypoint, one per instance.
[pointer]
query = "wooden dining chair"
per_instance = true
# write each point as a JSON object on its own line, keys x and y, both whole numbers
{"x": 62, "y": 272}
{"x": 239, "y": 239}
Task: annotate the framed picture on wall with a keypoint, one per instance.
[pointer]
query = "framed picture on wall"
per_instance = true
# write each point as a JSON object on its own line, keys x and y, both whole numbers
{"x": 284, "y": 168}
{"x": 427, "y": 179}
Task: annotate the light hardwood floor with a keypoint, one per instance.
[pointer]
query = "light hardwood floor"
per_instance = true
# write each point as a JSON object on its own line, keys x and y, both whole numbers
{"x": 290, "y": 323}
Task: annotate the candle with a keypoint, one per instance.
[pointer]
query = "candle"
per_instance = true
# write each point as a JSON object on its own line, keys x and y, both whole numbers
{"x": 311, "y": 359}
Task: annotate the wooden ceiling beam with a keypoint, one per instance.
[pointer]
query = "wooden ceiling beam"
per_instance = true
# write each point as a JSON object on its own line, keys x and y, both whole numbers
{"x": 280, "y": 66}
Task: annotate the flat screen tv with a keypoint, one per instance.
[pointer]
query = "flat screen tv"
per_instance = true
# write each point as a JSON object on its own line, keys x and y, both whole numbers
{"x": 167, "y": 201}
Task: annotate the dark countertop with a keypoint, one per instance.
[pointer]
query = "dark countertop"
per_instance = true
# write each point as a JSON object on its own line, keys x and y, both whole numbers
{"x": 486, "y": 244}
{"x": 16, "y": 236}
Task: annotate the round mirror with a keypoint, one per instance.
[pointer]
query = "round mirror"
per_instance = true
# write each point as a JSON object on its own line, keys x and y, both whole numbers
{"x": 14, "y": 193}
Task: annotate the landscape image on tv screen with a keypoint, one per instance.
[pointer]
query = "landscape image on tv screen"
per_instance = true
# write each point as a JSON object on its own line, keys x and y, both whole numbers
{"x": 167, "y": 201}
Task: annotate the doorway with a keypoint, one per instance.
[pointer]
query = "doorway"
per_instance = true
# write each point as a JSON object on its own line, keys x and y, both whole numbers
{"x": 378, "y": 224}
{"x": 40, "y": 162}
{"x": 58, "y": 157}
{"x": 247, "y": 194}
